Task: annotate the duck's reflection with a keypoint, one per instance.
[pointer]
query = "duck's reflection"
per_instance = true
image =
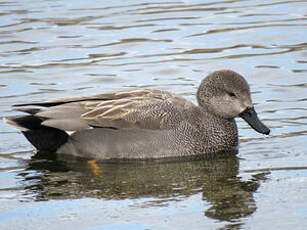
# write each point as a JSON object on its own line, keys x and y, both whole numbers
{"x": 217, "y": 179}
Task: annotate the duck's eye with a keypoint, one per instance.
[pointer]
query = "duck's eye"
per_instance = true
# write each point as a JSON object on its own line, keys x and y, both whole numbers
{"x": 231, "y": 94}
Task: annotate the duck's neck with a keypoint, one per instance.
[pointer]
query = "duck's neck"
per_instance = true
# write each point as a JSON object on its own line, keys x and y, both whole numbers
{"x": 221, "y": 133}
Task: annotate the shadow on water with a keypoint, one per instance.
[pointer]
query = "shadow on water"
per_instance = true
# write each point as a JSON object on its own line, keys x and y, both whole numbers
{"x": 229, "y": 198}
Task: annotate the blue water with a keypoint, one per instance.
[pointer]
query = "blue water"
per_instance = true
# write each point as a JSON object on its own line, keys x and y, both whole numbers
{"x": 55, "y": 49}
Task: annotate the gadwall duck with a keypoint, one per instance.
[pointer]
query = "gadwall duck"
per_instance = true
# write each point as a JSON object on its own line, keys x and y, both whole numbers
{"x": 143, "y": 123}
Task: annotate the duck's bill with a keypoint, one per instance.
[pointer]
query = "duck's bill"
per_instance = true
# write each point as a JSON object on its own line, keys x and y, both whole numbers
{"x": 250, "y": 116}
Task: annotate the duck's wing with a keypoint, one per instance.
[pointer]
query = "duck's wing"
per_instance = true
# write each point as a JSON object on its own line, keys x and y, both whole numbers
{"x": 142, "y": 108}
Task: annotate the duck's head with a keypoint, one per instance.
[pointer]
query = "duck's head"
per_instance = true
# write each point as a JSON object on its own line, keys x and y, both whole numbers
{"x": 226, "y": 93}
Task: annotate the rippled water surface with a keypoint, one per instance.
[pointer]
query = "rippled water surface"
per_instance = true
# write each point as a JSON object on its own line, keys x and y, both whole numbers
{"x": 54, "y": 49}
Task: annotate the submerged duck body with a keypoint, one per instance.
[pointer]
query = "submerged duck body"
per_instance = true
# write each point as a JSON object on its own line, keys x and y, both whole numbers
{"x": 143, "y": 123}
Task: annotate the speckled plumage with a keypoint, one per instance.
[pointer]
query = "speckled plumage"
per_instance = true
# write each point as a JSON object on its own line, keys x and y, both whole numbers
{"x": 144, "y": 123}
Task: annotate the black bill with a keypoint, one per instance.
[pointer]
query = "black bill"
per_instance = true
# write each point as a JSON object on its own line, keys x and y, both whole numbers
{"x": 250, "y": 116}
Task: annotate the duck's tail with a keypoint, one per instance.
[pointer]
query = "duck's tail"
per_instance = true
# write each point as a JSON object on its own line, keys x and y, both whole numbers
{"x": 43, "y": 138}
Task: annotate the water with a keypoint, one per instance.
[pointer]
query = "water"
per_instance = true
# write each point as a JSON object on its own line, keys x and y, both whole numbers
{"x": 54, "y": 49}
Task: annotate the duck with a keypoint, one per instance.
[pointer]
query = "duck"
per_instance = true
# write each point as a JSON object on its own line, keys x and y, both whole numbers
{"x": 142, "y": 123}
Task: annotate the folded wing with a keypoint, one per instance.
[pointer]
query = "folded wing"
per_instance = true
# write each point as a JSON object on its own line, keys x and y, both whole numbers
{"x": 142, "y": 109}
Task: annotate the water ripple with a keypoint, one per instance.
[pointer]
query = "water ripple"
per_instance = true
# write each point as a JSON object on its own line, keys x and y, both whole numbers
{"x": 53, "y": 49}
